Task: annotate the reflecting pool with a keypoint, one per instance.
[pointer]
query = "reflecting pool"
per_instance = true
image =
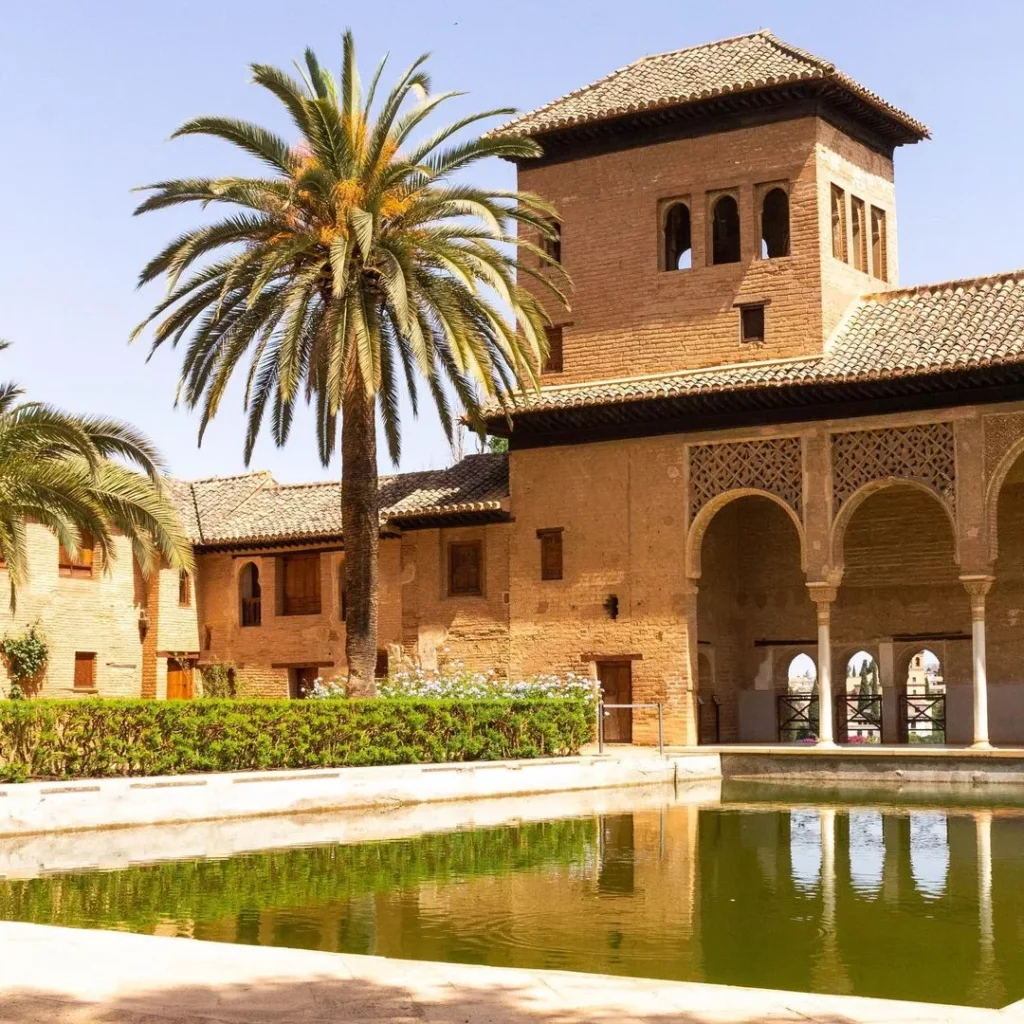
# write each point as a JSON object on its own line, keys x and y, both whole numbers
{"x": 923, "y": 901}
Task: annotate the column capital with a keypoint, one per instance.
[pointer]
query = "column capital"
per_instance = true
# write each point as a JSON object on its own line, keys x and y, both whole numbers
{"x": 822, "y": 592}
{"x": 977, "y": 586}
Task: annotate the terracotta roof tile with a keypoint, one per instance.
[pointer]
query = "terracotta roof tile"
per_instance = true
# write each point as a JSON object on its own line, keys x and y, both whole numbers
{"x": 913, "y": 331}
{"x": 255, "y": 508}
{"x": 741, "y": 64}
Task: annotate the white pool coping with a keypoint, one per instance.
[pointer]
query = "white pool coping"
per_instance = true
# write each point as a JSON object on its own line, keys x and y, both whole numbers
{"x": 29, "y": 808}
{"x": 70, "y": 976}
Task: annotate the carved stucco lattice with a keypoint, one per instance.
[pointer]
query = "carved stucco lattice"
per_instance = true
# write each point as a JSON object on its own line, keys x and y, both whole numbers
{"x": 925, "y": 453}
{"x": 1002, "y": 432}
{"x": 773, "y": 465}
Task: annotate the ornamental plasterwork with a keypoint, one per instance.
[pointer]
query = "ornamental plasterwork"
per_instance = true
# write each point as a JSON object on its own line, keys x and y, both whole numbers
{"x": 773, "y": 465}
{"x": 924, "y": 453}
{"x": 1002, "y": 432}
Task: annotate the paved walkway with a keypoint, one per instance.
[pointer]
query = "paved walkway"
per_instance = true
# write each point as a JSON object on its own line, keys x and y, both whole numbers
{"x": 66, "y": 976}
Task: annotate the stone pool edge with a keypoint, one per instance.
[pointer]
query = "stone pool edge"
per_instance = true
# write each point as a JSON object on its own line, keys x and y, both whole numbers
{"x": 105, "y": 975}
{"x": 29, "y": 808}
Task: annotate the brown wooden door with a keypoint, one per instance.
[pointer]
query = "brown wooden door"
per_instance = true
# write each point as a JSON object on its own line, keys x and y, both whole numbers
{"x": 302, "y": 681}
{"x": 616, "y": 678}
{"x": 179, "y": 680}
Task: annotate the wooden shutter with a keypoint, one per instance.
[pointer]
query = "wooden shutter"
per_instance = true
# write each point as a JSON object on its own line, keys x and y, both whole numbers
{"x": 464, "y": 576}
{"x": 80, "y": 564}
{"x": 301, "y": 584}
{"x": 550, "y": 554}
{"x": 553, "y": 363}
{"x": 85, "y": 670}
{"x": 184, "y": 589}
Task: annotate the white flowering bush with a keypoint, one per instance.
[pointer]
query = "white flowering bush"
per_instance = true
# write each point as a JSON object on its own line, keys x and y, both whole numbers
{"x": 454, "y": 681}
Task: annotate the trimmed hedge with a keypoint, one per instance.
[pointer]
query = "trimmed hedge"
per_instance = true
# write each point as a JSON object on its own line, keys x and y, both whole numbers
{"x": 101, "y": 738}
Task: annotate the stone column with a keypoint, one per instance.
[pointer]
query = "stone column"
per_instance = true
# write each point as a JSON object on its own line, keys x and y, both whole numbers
{"x": 823, "y": 595}
{"x": 977, "y": 587}
{"x": 891, "y": 694}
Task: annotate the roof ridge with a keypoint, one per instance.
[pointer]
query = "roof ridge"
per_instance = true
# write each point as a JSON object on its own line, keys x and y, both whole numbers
{"x": 795, "y": 51}
{"x": 962, "y": 282}
{"x": 229, "y": 476}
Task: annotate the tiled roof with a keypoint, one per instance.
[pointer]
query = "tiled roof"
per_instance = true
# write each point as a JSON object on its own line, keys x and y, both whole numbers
{"x": 742, "y": 64}
{"x": 255, "y": 508}
{"x": 909, "y": 332}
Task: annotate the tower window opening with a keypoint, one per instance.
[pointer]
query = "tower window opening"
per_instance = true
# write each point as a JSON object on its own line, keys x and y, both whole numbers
{"x": 859, "y": 227}
{"x": 879, "y": 248}
{"x": 677, "y": 238}
{"x": 775, "y": 224}
{"x": 725, "y": 230}
{"x": 839, "y": 223}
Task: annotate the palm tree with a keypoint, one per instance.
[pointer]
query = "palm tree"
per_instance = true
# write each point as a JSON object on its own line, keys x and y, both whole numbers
{"x": 356, "y": 266}
{"x": 74, "y": 474}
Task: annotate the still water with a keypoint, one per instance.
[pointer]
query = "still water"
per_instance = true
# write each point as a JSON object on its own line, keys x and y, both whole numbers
{"x": 922, "y": 902}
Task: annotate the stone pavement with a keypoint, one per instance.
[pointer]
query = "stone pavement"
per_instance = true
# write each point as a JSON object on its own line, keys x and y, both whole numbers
{"x": 69, "y": 976}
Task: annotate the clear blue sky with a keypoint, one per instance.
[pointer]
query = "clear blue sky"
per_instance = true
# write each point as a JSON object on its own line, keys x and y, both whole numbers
{"x": 89, "y": 93}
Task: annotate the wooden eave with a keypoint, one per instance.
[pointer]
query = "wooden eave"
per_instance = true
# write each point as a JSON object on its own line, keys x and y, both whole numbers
{"x": 825, "y": 98}
{"x": 756, "y": 406}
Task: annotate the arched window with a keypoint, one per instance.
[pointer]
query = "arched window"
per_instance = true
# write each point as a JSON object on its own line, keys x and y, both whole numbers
{"x": 775, "y": 224}
{"x": 250, "y": 595}
{"x": 725, "y": 230}
{"x": 863, "y": 700}
{"x": 678, "y": 251}
{"x": 925, "y": 699}
{"x": 838, "y": 223}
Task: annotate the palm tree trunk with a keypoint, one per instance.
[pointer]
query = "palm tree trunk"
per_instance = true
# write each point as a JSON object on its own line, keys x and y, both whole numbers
{"x": 360, "y": 523}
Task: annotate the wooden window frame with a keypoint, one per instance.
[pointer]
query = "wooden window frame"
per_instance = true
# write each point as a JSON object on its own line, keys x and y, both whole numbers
{"x": 85, "y": 658}
{"x": 747, "y": 309}
{"x": 859, "y": 234}
{"x": 251, "y": 607}
{"x": 552, "y": 247}
{"x": 300, "y": 606}
{"x": 184, "y": 590}
{"x": 837, "y": 201}
{"x": 453, "y": 546}
{"x": 555, "y": 360}
{"x": 548, "y": 548}
{"x": 878, "y": 218}
{"x": 78, "y": 567}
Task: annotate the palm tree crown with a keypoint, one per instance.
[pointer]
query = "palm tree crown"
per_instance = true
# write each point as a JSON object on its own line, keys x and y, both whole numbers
{"x": 74, "y": 474}
{"x": 357, "y": 266}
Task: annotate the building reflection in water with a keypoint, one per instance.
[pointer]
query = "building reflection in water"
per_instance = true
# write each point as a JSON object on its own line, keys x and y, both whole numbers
{"x": 805, "y": 849}
{"x": 929, "y": 852}
{"x": 867, "y": 852}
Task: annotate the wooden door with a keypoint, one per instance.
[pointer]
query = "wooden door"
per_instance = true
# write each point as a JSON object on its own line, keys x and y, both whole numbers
{"x": 616, "y": 678}
{"x": 179, "y": 680}
{"x": 302, "y": 680}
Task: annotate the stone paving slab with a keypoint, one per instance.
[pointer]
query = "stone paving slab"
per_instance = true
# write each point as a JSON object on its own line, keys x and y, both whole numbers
{"x": 69, "y": 976}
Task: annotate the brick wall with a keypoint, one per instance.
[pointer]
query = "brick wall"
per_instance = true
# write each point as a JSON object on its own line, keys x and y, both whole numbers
{"x": 98, "y": 615}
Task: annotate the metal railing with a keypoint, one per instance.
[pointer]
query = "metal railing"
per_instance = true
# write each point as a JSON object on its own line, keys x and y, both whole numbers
{"x": 797, "y": 716}
{"x": 601, "y": 708}
{"x": 925, "y": 717}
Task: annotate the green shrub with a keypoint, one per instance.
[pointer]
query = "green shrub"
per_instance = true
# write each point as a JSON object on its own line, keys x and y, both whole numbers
{"x": 25, "y": 655}
{"x": 218, "y": 681}
{"x": 97, "y": 738}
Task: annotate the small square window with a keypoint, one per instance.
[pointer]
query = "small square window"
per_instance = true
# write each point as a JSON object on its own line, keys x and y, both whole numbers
{"x": 85, "y": 670}
{"x": 553, "y": 363}
{"x": 465, "y": 578}
{"x": 550, "y": 553}
{"x": 184, "y": 589}
{"x": 752, "y": 323}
